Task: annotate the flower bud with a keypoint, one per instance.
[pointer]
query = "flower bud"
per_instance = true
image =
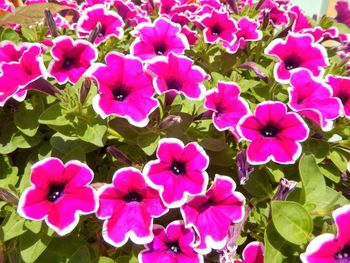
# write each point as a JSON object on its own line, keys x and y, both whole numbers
{"x": 95, "y": 33}
{"x": 51, "y": 23}
{"x": 169, "y": 121}
{"x": 285, "y": 187}
{"x": 243, "y": 167}
{"x": 84, "y": 90}
{"x": 118, "y": 155}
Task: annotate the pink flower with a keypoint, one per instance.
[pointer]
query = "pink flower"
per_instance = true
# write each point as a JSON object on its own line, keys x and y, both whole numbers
{"x": 170, "y": 245}
{"x": 7, "y": 6}
{"x": 227, "y": 106}
{"x": 297, "y": 51}
{"x": 131, "y": 14}
{"x": 72, "y": 58}
{"x": 10, "y": 52}
{"x": 274, "y": 133}
{"x": 247, "y": 31}
{"x": 125, "y": 89}
{"x": 111, "y": 23}
{"x": 178, "y": 172}
{"x": 313, "y": 98}
{"x": 212, "y": 213}
{"x": 128, "y": 206}
{"x": 218, "y": 27}
{"x": 341, "y": 90}
{"x": 328, "y": 248}
{"x": 59, "y": 193}
{"x": 320, "y": 34}
{"x": 300, "y": 22}
{"x": 177, "y": 73}
{"x": 252, "y": 253}
{"x": 343, "y": 12}
{"x": 158, "y": 39}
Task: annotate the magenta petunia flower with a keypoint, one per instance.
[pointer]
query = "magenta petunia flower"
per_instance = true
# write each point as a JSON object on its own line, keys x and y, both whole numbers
{"x": 7, "y": 6}
{"x": 72, "y": 58}
{"x": 125, "y": 89}
{"x": 170, "y": 245}
{"x": 341, "y": 90}
{"x": 59, "y": 193}
{"x": 328, "y": 248}
{"x": 212, "y": 213}
{"x": 131, "y": 14}
{"x": 320, "y": 34}
{"x": 274, "y": 133}
{"x": 128, "y": 206}
{"x": 297, "y": 51}
{"x": 177, "y": 74}
{"x": 227, "y": 106}
{"x": 218, "y": 27}
{"x": 313, "y": 99}
{"x": 10, "y": 52}
{"x": 343, "y": 12}
{"x": 252, "y": 253}
{"x": 111, "y": 23}
{"x": 158, "y": 39}
{"x": 300, "y": 21}
{"x": 179, "y": 171}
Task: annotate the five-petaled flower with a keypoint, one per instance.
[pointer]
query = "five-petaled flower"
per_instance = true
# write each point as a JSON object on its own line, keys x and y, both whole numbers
{"x": 178, "y": 172}
{"x": 59, "y": 193}
{"x": 274, "y": 133}
{"x": 128, "y": 206}
{"x": 173, "y": 244}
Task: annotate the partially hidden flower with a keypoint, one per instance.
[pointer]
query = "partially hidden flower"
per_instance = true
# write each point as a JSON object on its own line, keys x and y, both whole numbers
{"x": 252, "y": 253}
{"x": 124, "y": 89}
{"x": 10, "y": 52}
{"x": 178, "y": 172}
{"x": 176, "y": 73}
{"x": 313, "y": 99}
{"x": 275, "y": 134}
{"x": 158, "y": 39}
{"x": 340, "y": 86}
{"x": 285, "y": 187}
{"x": 297, "y": 51}
{"x": 329, "y": 248}
{"x": 244, "y": 168}
{"x": 173, "y": 244}
{"x": 343, "y": 12}
{"x": 211, "y": 214}
{"x": 128, "y": 206}
{"x": 58, "y": 193}
{"x": 7, "y": 6}
{"x": 72, "y": 58}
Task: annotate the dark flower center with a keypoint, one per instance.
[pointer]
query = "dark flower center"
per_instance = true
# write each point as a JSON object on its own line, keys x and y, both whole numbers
{"x": 133, "y": 197}
{"x": 216, "y": 30}
{"x": 173, "y": 84}
{"x": 55, "y": 192}
{"x": 68, "y": 63}
{"x": 177, "y": 168}
{"x": 343, "y": 97}
{"x": 343, "y": 256}
{"x": 269, "y": 131}
{"x": 102, "y": 31}
{"x": 174, "y": 247}
{"x": 206, "y": 205}
{"x": 292, "y": 63}
{"x": 159, "y": 48}
{"x": 119, "y": 94}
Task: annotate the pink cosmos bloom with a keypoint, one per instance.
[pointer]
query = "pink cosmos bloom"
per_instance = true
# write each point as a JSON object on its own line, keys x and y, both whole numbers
{"x": 111, "y": 23}
{"x": 129, "y": 206}
{"x": 247, "y": 31}
{"x": 341, "y": 90}
{"x": 274, "y": 133}
{"x": 227, "y": 106}
{"x": 252, "y": 253}
{"x": 297, "y": 51}
{"x": 125, "y": 89}
{"x": 313, "y": 98}
{"x": 218, "y": 27}
{"x": 170, "y": 245}
{"x": 211, "y": 214}
{"x": 178, "y": 172}
{"x": 328, "y": 248}
{"x": 177, "y": 74}
{"x": 59, "y": 193}
{"x": 343, "y": 12}
{"x": 72, "y": 58}
{"x": 10, "y": 52}
{"x": 158, "y": 39}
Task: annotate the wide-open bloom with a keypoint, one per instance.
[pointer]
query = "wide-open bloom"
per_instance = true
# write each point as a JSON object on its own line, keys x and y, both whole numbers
{"x": 212, "y": 213}
{"x": 178, "y": 172}
{"x": 111, "y": 23}
{"x": 129, "y": 206}
{"x": 297, "y": 51}
{"x": 72, "y": 58}
{"x": 227, "y": 106}
{"x": 328, "y": 248}
{"x": 59, "y": 193}
{"x": 170, "y": 245}
{"x": 274, "y": 133}
{"x": 341, "y": 90}
{"x": 218, "y": 27}
{"x": 177, "y": 74}
{"x": 125, "y": 89}
{"x": 313, "y": 99}
{"x": 158, "y": 39}
{"x": 252, "y": 253}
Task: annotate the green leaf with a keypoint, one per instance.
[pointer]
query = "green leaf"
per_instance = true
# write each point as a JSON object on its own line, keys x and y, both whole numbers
{"x": 82, "y": 255}
{"x": 12, "y": 226}
{"x": 8, "y": 173}
{"x": 10, "y": 35}
{"x": 213, "y": 144}
{"x": 92, "y": 133}
{"x": 148, "y": 142}
{"x": 65, "y": 144}
{"x": 339, "y": 159}
{"x": 177, "y": 131}
{"x": 314, "y": 184}
{"x": 258, "y": 184}
{"x": 54, "y": 115}
{"x": 29, "y": 33}
{"x": 34, "y": 226}
{"x": 318, "y": 148}
{"x": 292, "y": 221}
{"x": 105, "y": 260}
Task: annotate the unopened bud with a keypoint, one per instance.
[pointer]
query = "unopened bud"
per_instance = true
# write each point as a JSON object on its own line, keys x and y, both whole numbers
{"x": 84, "y": 90}
{"x": 285, "y": 187}
{"x": 259, "y": 4}
{"x": 51, "y": 23}
{"x": 243, "y": 167}
{"x": 266, "y": 19}
{"x": 95, "y": 33}
{"x": 170, "y": 121}
{"x": 118, "y": 155}
{"x": 254, "y": 67}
